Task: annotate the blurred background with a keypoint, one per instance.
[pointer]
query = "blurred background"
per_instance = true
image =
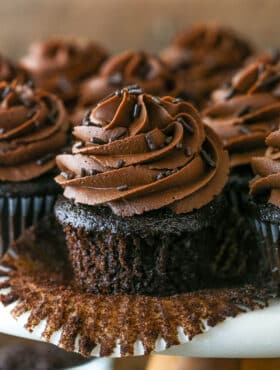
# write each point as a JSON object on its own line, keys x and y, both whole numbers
{"x": 137, "y": 24}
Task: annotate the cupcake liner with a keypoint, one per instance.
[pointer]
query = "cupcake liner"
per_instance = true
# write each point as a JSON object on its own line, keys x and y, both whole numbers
{"x": 16, "y": 214}
{"x": 269, "y": 234}
{"x": 36, "y": 280}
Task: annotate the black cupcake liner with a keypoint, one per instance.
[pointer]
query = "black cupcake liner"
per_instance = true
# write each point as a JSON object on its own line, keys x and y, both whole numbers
{"x": 269, "y": 238}
{"x": 19, "y": 213}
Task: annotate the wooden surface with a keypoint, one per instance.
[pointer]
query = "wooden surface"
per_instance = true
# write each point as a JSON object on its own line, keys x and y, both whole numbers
{"x": 134, "y": 24}
{"x": 157, "y": 362}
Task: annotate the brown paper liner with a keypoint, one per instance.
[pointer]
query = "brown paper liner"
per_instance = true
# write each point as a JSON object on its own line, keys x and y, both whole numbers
{"x": 40, "y": 281}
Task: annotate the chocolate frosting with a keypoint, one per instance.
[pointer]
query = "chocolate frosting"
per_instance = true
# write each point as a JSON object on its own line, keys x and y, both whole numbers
{"x": 267, "y": 169}
{"x": 203, "y": 57}
{"x": 33, "y": 128}
{"x": 60, "y": 65}
{"x": 137, "y": 152}
{"x": 245, "y": 113}
{"x": 10, "y": 71}
{"x": 124, "y": 69}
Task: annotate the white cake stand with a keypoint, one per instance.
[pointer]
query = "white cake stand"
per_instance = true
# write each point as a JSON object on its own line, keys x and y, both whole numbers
{"x": 253, "y": 334}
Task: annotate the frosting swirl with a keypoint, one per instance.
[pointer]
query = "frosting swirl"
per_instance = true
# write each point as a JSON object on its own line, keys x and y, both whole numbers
{"x": 204, "y": 57}
{"x": 136, "y": 153}
{"x": 10, "y": 71}
{"x": 244, "y": 114}
{"x": 60, "y": 65}
{"x": 267, "y": 169}
{"x": 129, "y": 67}
{"x": 33, "y": 128}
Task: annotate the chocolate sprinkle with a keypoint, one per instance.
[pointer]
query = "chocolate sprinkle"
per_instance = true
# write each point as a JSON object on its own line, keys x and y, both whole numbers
{"x": 119, "y": 93}
{"x": 271, "y": 80}
{"x": 67, "y": 175}
{"x": 122, "y": 131}
{"x": 97, "y": 140}
{"x": 45, "y": 159}
{"x": 122, "y": 187}
{"x": 244, "y": 110}
{"x": 6, "y": 92}
{"x": 157, "y": 100}
{"x": 160, "y": 176}
{"x": 83, "y": 172}
{"x": 177, "y": 100}
{"x": 208, "y": 159}
{"x": 133, "y": 86}
{"x": 31, "y": 113}
{"x": 136, "y": 111}
{"x": 230, "y": 93}
{"x": 150, "y": 142}
{"x": 115, "y": 79}
{"x": 168, "y": 140}
{"x": 93, "y": 172}
{"x": 244, "y": 130}
{"x": 78, "y": 144}
{"x": 187, "y": 152}
{"x": 179, "y": 146}
{"x": 120, "y": 163}
{"x": 186, "y": 125}
{"x": 135, "y": 91}
{"x": 86, "y": 120}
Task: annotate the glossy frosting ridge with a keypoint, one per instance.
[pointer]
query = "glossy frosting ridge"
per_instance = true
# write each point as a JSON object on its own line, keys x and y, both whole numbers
{"x": 33, "y": 129}
{"x": 136, "y": 152}
{"x": 247, "y": 111}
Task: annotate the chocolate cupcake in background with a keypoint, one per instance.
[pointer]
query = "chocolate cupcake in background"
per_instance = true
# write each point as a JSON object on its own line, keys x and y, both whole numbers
{"x": 127, "y": 68}
{"x": 33, "y": 129}
{"x": 143, "y": 203}
{"x": 18, "y": 354}
{"x": 243, "y": 114}
{"x": 265, "y": 207}
{"x": 203, "y": 57}
{"x": 9, "y": 71}
{"x": 60, "y": 65}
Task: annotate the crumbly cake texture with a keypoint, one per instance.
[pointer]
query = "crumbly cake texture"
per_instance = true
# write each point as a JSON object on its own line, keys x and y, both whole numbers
{"x": 157, "y": 254}
{"x": 40, "y": 279}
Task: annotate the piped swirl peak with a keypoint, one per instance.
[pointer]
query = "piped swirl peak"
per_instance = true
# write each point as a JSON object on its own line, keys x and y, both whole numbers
{"x": 136, "y": 152}
{"x": 33, "y": 129}
{"x": 244, "y": 113}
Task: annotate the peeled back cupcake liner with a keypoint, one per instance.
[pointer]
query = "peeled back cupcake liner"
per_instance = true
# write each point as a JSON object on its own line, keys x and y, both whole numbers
{"x": 19, "y": 213}
{"x": 36, "y": 280}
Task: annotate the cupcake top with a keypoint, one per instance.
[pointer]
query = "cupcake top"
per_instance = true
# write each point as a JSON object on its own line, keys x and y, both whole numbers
{"x": 247, "y": 111}
{"x": 267, "y": 170}
{"x": 10, "y": 71}
{"x": 60, "y": 65}
{"x": 137, "y": 152}
{"x": 33, "y": 128}
{"x": 203, "y": 57}
{"x": 124, "y": 69}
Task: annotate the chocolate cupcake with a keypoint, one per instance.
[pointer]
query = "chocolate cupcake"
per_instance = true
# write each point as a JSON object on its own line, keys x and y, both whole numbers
{"x": 265, "y": 190}
{"x": 33, "y": 129}
{"x": 60, "y": 65}
{"x": 243, "y": 115}
{"x": 127, "y": 68}
{"x": 18, "y": 354}
{"x": 203, "y": 57}
{"x": 142, "y": 197}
